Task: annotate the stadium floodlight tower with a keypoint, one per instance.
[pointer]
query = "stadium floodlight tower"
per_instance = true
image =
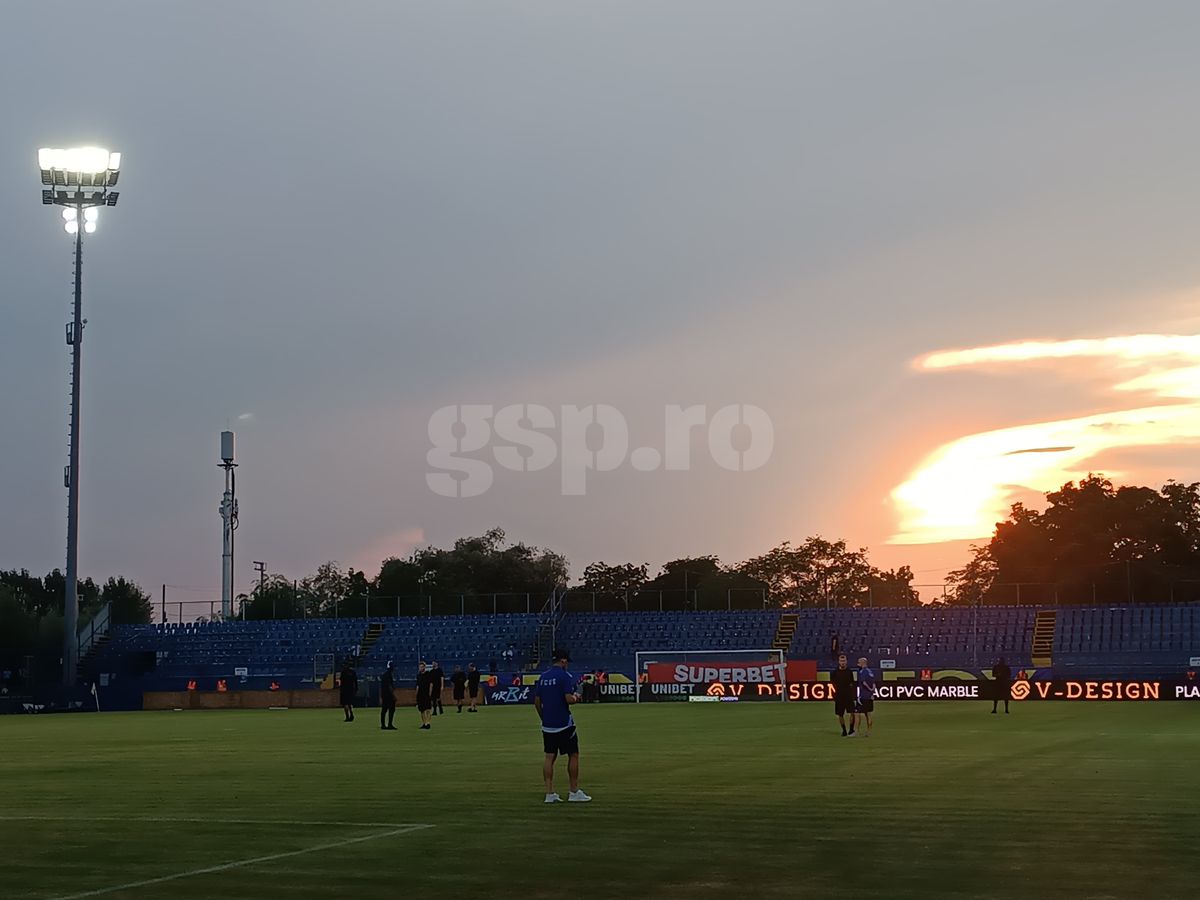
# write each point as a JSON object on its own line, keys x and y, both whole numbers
{"x": 80, "y": 180}
{"x": 229, "y": 522}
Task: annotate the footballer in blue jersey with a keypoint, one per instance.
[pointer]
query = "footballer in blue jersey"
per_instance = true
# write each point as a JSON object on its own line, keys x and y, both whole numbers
{"x": 864, "y": 694}
{"x": 555, "y": 692}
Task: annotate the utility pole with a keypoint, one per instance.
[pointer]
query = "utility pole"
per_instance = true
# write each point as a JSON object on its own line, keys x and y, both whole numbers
{"x": 261, "y": 569}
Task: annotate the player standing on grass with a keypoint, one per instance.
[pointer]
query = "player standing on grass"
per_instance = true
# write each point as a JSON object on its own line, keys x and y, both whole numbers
{"x": 387, "y": 698}
{"x": 347, "y": 689}
{"x": 473, "y": 687}
{"x": 552, "y": 698}
{"x": 1001, "y": 684}
{"x": 424, "y": 694}
{"x": 865, "y": 702}
{"x": 842, "y": 680}
{"x": 459, "y": 682}
{"x": 437, "y": 680}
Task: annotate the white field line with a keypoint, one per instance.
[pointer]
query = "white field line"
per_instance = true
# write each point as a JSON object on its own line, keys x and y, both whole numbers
{"x": 294, "y": 823}
{"x": 223, "y": 867}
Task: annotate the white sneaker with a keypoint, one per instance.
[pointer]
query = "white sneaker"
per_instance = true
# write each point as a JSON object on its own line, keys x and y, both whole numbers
{"x": 553, "y": 798}
{"x": 578, "y": 797}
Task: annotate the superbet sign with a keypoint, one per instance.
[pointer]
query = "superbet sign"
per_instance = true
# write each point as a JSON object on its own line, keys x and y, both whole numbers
{"x": 732, "y": 673}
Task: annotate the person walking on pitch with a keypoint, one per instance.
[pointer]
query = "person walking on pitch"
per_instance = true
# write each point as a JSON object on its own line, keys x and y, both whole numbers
{"x": 1002, "y": 684}
{"x": 842, "y": 680}
{"x": 424, "y": 694}
{"x": 437, "y": 681}
{"x": 458, "y": 682}
{"x": 473, "y": 675}
{"x": 555, "y": 692}
{"x": 348, "y": 689}
{"x": 387, "y": 698}
{"x": 865, "y": 695}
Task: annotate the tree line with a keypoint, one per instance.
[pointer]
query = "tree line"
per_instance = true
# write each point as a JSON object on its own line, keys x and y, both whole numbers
{"x": 1093, "y": 542}
{"x": 31, "y": 615}
{"x": 814, "y": 572}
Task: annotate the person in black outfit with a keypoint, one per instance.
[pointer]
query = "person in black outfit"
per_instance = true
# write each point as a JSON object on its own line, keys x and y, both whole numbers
{"x": 348, "y": 689}
{"x": 842, "y": 679}
{"x": 437, "y": 681}
{"x": 1002, "y": 686}
{"x": 459, "y": 681}
{"x": 473, "y": 675}
{"x": 424, "y": 694}
{"x": 387, "y": 698}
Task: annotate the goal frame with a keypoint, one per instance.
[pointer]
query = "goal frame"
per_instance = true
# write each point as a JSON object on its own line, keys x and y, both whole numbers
{"x": 779, "y": 656}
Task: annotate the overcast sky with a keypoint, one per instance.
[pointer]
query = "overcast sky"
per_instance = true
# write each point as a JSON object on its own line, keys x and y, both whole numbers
{"x": 337, "y": 218}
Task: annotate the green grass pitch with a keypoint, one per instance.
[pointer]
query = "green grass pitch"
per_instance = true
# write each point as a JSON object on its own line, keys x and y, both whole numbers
{"x": 691, "y": 801}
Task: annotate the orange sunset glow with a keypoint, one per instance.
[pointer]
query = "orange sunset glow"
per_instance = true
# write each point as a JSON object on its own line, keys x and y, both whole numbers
{"x": 961, "y": 489}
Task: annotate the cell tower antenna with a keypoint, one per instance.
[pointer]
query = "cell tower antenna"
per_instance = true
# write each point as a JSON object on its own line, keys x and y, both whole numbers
{"x": 229, "y": 522}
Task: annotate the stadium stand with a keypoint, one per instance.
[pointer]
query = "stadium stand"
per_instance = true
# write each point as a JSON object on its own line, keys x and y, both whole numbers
{"x": 1126, "y": 638}
{"x": 610, "y": 640}
{"x": 917, "y": 638}
{"x": 1073, "y": 641}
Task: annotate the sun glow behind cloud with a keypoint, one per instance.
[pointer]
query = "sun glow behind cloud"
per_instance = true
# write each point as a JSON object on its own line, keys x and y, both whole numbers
{"x": 964, "y": 487}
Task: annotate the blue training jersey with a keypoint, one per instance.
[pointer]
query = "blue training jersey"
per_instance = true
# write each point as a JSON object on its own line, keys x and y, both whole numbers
{"x": 866, "y": 684}
{"x": 552, "y": 689}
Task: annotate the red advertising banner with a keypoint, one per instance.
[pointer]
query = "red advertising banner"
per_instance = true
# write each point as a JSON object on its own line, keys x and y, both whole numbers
{"x": 732, "y": 672}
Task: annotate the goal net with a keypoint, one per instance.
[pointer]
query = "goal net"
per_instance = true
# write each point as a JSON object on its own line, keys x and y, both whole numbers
{"x": 679, "y": 674}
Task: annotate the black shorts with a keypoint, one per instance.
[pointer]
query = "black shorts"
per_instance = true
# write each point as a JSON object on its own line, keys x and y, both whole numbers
{"x": 843, "y": 706}
{"x": 561, "y": 743}
{"x": 864, "y": 706}
{"x": 473, "y": 690}
{"x": 458, "y": 693}
{"x": 347, "y": 698}
{"x": 388, "y": 702}
{"x": 424, "y": 703}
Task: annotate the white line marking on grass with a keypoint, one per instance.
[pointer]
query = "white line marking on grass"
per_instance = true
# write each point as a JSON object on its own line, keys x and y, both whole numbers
{"x": 224, "y": 867}
{"x": 294, "y": 823}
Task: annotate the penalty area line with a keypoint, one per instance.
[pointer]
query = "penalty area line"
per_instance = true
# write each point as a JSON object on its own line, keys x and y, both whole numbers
{"x": 224, "y": 867}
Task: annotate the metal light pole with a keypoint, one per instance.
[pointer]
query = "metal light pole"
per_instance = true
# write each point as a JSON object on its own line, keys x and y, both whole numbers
{"x": 78, "y": 180}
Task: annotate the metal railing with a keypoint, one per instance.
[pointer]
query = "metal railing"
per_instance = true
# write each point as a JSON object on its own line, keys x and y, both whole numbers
{"x": 95, "y": 629}
{"x": 668, "y": 600}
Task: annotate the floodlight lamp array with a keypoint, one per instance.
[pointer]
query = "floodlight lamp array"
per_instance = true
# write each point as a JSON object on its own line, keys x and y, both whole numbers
{"x": 79, "y": 177}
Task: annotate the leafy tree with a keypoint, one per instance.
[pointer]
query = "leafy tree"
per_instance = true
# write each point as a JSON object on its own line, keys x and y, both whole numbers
{"x": 29, "y": 592}
{"x": 891, "y": 587}
{"x": 487, "y": 564}
{"x": 1092, "y": 538}
{"x": 816, "y": 573}
{"x": 42, "y": 596}
{"x": 327, "y": 590}
{"x": 129, "y": 604}
{"x": 688, "y": 573}
{"x": 18, "y": 629}
{"x": 398, "y": 578}
{"x": 970, "y": 584}
{"x": 618, "y": 581}
{"x": 273, "y": 597}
